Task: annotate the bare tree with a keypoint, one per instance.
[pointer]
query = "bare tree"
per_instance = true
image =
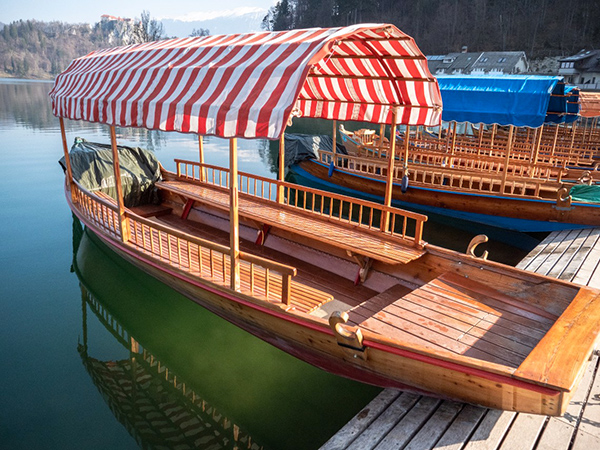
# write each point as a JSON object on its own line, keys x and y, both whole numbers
{"x": 147, "y": 29}
{"x": 200, "y": 32}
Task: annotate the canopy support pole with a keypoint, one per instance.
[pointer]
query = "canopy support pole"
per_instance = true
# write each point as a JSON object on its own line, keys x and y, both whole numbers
{"x": 573, "y": 131}
{"x": 334, "y": 136}
{"x": 555, "y": 140}
{"x": 281, "y": 168}
{"x": 536, "y": 150}
{"x": 234, "y": 226}
{"x": 506, "y": 158}
{"x": 406, "y": 148}
{"x": 585, "y": 128}
{"x": 63, "y": 134}
{"x": 117, "y": 170}
{"x": 480, "y": 138}
{"x": 453, "y": 143}
{"x": 201, "y": 157}
{"x": 381, "y": 137}
{"x": 389, "y": 185}
{"x": 454, "y": 136}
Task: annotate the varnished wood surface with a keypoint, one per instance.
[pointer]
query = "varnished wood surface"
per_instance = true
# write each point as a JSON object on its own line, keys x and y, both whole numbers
{"x": 317, "y": 277}
{"x": 457, "y": 426}
{"x": 457, "y": 315}
{"x": 367, "y": 244}
{"x": 218, "y": 270}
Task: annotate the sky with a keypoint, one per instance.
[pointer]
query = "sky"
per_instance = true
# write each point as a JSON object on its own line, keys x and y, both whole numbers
{"x": 76, "y": 11}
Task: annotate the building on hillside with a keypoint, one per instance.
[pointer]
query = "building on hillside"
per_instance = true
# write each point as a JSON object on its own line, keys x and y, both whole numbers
{"x": 109, "y": 18}
{"x": 582, "y": 69}
{"x": 478, "y": 63}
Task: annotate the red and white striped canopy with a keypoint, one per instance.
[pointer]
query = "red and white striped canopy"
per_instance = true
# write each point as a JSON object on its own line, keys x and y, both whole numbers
{"x": 248, "y": 85}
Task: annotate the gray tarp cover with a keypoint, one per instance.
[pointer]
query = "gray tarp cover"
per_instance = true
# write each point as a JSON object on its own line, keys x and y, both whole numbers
{"x": 93, "y": 168}
{"x": 299, "y": 147}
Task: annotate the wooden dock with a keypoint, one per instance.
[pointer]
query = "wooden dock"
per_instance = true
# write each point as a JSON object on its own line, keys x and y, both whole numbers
{"x": 400, "y": 420}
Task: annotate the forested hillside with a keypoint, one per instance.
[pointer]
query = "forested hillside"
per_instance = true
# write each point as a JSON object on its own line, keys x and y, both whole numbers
{"x": 41, "y": 50}
{"x": 538, "y": 27}
{"x": 32, "y": 49}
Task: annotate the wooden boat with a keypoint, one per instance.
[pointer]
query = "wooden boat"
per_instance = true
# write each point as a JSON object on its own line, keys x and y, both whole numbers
{"x": 345, "y": 284}
{"x": 464, "y": 180}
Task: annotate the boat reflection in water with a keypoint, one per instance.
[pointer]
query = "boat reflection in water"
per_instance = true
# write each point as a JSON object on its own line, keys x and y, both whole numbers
{"x": 186, "y": 378}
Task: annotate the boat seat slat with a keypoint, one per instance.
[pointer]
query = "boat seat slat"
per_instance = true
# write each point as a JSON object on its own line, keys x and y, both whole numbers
{"x": 380, "y": 248}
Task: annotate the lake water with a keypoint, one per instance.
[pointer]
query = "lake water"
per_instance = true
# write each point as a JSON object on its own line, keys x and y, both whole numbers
{"x": 97, "y": 354}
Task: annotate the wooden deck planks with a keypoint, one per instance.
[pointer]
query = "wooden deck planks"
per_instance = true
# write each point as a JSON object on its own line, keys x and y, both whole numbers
{"x": 461, "y": 427}
{"x": 459, "y": 316}
{"x": 559, "y": 430}
{"x": 477, "y": 428}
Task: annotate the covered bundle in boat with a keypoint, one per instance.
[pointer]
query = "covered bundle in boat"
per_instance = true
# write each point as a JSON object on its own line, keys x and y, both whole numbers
{"x": 92, "y": 167}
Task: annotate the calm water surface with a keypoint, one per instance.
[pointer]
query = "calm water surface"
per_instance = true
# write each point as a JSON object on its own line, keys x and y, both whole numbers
{"x": 96, "y": 354}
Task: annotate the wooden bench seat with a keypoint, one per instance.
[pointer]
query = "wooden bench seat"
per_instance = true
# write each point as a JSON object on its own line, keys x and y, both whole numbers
{"x": 216, "y": 269}
{"x": 371, "y": 245}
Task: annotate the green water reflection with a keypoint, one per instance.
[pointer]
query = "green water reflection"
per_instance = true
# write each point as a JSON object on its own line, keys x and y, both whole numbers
{"x": 276, "y": 400}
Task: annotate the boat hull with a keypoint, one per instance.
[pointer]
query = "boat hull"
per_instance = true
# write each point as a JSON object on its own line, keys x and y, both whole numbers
{"x": 524, "y": 215}
{"x": 312, "y": 340}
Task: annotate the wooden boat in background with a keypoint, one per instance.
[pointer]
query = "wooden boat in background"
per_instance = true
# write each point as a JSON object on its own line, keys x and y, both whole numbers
{"x": 464, "y": 179}
{"x": 345, "y": 284}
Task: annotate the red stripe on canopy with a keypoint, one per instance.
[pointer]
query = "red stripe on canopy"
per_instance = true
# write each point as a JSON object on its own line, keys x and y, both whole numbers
{"x": 248, "y": 85}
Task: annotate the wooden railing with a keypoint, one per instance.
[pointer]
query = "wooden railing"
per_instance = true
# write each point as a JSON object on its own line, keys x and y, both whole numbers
{"x": 439, "y": 176}
{"x": 362, "y": 214}
{"x": 205, "y": 259}
{"x": 210, "y": 260}
{"x": 102, "y": 213}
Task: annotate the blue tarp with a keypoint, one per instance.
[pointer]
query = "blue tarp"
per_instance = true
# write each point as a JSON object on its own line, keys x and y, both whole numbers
{"x": 520, "y": 100}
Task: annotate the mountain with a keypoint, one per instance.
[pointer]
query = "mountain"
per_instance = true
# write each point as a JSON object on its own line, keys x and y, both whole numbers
{"x": 240, "y": 20}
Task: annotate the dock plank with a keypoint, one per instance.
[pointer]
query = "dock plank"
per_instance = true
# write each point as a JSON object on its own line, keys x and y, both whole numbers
{"x": 528, "y": 260}
{"x": 524, "y": 432}
{"x": 463, "y": 426}
{"x": 343, "y": 438}
{"x": 558, "y": 433}
{"x": 584, "y": 252}
{"x": 538, "y": 256}
{"x": 491, "y": 430}
{"x": 588, "y": 435}
{"x": 435, "y": 427}
{"x": 385, "y": 422}
{"x": 559, "y": 253}
{"x": 402, "y": 433}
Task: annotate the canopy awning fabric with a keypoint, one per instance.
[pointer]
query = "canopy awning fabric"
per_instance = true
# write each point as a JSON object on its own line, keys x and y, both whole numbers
{"x": 520, "y": 100}
{"x": 590, "y": 104}
{"x": 248, "y": 85}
